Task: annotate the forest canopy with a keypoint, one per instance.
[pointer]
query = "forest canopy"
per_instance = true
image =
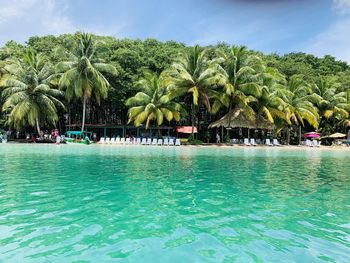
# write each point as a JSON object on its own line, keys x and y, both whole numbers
{"x": 132, "y": 58}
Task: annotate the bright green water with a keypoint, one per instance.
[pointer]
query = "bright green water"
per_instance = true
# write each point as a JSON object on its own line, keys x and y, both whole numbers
{"x": 155, "y": 204}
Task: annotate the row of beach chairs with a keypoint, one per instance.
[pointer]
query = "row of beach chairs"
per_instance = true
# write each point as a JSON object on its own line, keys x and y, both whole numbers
{"x": 252, "y": 142}
{"x": 139, "y": 141}
{"x": 313, "y": 143}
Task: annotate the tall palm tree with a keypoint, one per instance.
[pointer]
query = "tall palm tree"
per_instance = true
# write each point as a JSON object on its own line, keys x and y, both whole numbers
{"x": 240, "y": 77}
{"x": 152, "y": 102}
{"x": 82, "y": 74}
{"x": 298, "y": 103}
{"x": 269, "y": 104}
{"x": 194, "y": 74}
{"x": 28, "y": 93}
{"x": 332, "y": 103}
{"x": 345, "y": 122}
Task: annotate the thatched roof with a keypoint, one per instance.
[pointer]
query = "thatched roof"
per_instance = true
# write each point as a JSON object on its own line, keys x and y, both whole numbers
{"x": 240, "y": 118}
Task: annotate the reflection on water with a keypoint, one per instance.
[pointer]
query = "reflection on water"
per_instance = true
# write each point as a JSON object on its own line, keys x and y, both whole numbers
{"x": 166, "y": 204}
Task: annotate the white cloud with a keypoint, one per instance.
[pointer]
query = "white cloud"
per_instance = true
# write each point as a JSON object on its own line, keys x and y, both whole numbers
{"x": 342, "y": 6}
{"x": 20, "y": 19}
{"x": 334, "y": 41}
{"x": 13, "y": 10}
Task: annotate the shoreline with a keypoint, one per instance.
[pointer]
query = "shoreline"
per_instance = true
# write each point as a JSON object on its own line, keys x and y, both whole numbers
{"x": 224, "y": 146}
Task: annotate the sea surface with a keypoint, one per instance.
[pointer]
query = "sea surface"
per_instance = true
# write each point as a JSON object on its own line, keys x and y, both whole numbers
{"x": 78, "y": 203}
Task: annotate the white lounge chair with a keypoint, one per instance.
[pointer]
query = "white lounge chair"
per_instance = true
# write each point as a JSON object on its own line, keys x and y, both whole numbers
{"x": 252, "y": 142}
{"x": 177, "y": 142}
{"x": 113, "y": 140}
{"x": 171, "y": 142}
{"x": 127, "y": 141}
{"x": 117, "y": 140}
{"x": 138, "y": 140}
{"x": 154, "y": 141}
{"x": 108, "y": 140}
{"x": 144, "y": 141}
{"x": 234, "y": 141}
{"x": 246, "y": 142}
{"x": 308, "y": 143}
{"x": 276, "y": 143}
{"x": 268, "y": 142}
{"x": 160, "y": 142}
{"x": 122, "y": 140}
{"x": 102, "y": 140}
{"x": 149, "y": 141}
{"x": 166, "y": 142}
{"x": 315, "y": 143}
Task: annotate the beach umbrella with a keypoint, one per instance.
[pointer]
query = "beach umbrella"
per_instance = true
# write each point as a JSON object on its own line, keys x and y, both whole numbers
{"x": 337, "y": 135}
{"x": 312, "y": 135}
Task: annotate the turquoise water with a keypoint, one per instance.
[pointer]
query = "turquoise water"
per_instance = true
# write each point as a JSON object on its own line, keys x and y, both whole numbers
{"x": 157, "y": 204}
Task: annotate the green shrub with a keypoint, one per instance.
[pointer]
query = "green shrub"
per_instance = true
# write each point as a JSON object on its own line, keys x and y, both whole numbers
{"x": 196, "y": 142}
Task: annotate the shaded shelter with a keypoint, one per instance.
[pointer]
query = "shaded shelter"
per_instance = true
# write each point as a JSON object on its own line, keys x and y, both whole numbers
{"x": 240, "y": 118}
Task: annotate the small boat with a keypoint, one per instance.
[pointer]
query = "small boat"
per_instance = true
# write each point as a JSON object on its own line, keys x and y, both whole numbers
{"x": 77, "y": 137}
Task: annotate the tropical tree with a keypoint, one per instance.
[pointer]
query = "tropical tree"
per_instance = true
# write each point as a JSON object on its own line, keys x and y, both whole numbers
{"x": 298, "y": 104}
{"x": 152, "y": 102}
{"x": 82, "y": 73}
{"x": 332, "y": 103}
{"x": 269, "y": 104}
{"x": 345, "y": 122}
{"x": 29, "y": 96}
{"x": 240, "y": 75}
{"x": 194, "y": 74}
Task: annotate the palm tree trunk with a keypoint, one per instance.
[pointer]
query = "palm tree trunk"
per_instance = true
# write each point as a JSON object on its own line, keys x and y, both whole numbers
{"x": 69, "y": 116}
{"x": 37, "y": 126}
{"x": 193, "y": 113}
{"x": 84, "y": 110}
{"x": 288, "y": 135}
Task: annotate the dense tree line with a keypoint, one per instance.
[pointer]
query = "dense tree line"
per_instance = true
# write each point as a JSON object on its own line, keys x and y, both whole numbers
{"x": 148, "y": 82}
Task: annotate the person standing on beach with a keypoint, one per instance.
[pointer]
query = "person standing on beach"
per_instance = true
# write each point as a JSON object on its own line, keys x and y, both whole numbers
{"x": 217, "y": 138}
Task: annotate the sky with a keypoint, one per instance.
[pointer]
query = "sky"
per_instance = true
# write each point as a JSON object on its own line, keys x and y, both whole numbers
{"x": 318, "y": 27}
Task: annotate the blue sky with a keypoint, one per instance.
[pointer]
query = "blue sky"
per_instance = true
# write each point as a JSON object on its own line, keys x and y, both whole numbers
{"x": 314, "y": 26}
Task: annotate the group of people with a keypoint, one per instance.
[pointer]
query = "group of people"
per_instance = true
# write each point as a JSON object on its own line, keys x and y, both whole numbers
{"x": 53, "y": 136}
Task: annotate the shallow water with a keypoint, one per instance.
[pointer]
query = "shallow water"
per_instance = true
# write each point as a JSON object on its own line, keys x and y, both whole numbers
{"x": 165, "y": 204}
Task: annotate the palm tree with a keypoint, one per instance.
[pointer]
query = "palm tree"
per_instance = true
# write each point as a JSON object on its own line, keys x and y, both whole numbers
{"x": 240, "y": 77}
{"x": 332, "y": 103}
{"x": 298, "y": 103}
{"x": 269, "y": 104}
{"x": 152, "y": 103}
{"x": 82, "y": 74}
{"x": 28, "y": 93}
{"x": 193, "y": 74}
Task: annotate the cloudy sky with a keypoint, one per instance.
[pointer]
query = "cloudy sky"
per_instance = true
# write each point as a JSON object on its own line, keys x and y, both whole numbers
{"x": 315, "y": 26}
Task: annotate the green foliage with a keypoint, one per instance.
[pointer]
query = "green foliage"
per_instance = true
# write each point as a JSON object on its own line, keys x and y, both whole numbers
{"x": 226, "y": 138}
{"x": 29, "y": 98}
{"x": 293, "y": 89}
{"x": 82, "y": 73}
{"x": 191, "y": 140}
{"x": 152, "y": 103}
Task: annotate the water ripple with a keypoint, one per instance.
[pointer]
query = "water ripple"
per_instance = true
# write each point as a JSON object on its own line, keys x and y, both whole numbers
{"x": 163, "y": 204}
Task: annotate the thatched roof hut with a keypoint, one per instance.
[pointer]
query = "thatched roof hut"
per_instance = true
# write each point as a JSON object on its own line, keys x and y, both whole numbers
{"x": 240, "y": 118}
